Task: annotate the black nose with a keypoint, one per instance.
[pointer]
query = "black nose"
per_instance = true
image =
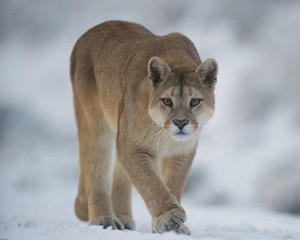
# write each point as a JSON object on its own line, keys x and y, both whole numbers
{"x": 180, "y": 123}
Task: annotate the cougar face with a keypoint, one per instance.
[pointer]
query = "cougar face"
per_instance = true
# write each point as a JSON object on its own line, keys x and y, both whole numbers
{"x": 181, "y": 103}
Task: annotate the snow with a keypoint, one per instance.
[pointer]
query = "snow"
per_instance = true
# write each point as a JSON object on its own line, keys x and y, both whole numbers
{"x": 245, "y": 181}
{"x": 50, "y": 216}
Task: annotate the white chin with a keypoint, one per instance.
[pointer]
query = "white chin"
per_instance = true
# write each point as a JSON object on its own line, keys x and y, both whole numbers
{"x": 181, "y": 137}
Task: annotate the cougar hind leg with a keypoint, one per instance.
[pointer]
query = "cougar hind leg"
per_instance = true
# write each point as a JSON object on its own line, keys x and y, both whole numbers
{"x": 81, "y": 204}
{"x": 93, "y": 202}
{"x": 121, "y": 197}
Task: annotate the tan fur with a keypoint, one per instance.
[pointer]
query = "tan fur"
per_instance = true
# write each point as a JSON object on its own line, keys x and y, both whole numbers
{"x": 120, "y": 72}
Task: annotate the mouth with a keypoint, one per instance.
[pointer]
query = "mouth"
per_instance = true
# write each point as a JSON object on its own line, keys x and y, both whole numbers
{"x": 181, "y": 136}
{"x": 181, "y": 133}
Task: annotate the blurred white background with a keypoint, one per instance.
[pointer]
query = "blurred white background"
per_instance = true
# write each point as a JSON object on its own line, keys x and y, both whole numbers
{"x": 249, "y": 153}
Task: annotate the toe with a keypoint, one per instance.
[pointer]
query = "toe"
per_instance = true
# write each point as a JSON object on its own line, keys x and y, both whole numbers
{"x": 183, "y": 230}
{"x": 119, "y": 225}
{"x": 127, "y": 222}
{"x": 173, "y": 224}
{"x": 169, "y": 221}
{"x": 107, "y": 222}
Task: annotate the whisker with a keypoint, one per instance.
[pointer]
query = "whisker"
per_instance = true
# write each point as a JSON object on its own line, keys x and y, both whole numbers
{"x": 156, "y": 133}
{"x": 160, "y": 136}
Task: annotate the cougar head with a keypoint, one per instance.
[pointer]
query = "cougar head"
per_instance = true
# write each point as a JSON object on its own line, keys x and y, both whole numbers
{"x": 181, "y": 102}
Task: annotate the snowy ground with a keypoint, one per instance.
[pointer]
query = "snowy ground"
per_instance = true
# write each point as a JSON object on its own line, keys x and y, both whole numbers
{"x": 50, "y": 216}
{"x": 248, "y": 159}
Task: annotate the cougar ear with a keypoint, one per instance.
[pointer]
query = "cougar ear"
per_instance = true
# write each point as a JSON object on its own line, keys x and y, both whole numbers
{"x": 208, "y": 71}
{"x": 157, "y": 70}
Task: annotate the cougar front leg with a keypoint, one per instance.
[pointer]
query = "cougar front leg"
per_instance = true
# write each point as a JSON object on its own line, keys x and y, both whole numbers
{"x": 175, "y": 172}
{"x": 166, "y": 212}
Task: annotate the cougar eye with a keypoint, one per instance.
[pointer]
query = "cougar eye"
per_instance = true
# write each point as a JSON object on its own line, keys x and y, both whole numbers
{"x": 195, "y": 102}
{"x": 167, "y": 102}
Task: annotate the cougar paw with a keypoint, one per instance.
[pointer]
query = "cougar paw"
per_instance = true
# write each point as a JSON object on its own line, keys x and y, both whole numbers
{"x": 183, "y": 230}
{"x": 106, "y": 222}
{"x": 170, "y": 221}
{"x": 127, "y": 222}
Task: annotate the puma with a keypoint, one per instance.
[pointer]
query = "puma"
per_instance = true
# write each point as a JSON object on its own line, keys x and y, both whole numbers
{"x": 150, "y": 95}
